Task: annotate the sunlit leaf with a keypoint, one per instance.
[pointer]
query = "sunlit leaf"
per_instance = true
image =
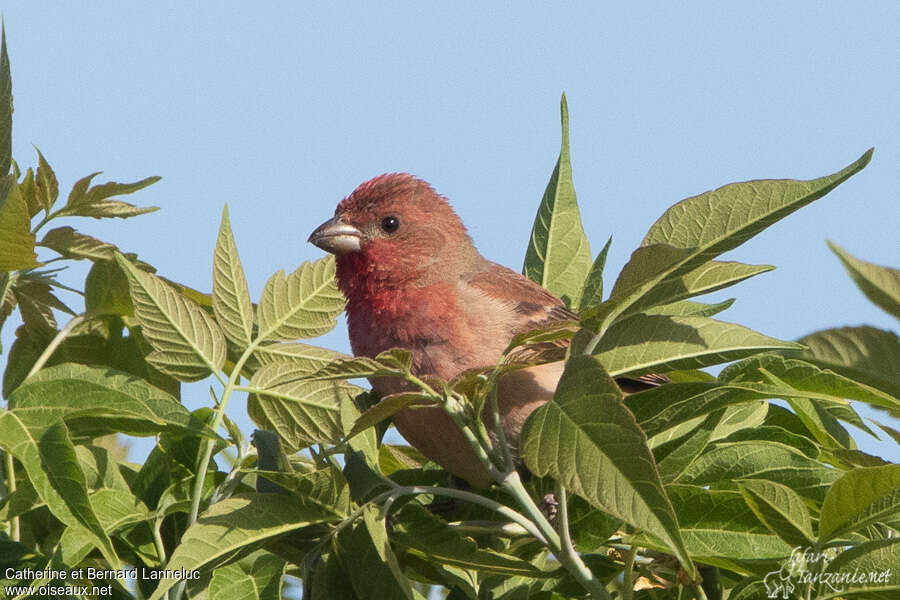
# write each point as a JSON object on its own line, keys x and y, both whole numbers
{"x": 860, "y": 497}
{"x": 16, "y": 238}
{"x": 559, "y": 255}
{"x": 72, "y": 244}
{"x": 304, "y": 304}
{"x": 6, "y": 108}
{"x": 187, "y": 342}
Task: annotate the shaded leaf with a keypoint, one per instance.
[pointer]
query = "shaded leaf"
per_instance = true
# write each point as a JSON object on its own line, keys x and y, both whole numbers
{"x": 592, "y": 293}
{"x": 589, "y": 441}
{"x": 874, "y": 565}
{"x": 254, "y": 577}
{"x": 46, "y": 186}
{"x": 72, "y": 244}
{"x": 880, "y": 284}
{"x": 234, "y": 524}
{"x": 6, "y": 108}
{"x": 780, "y": 508}
{"x": 16, "y": 238}
{"x": 388, "y": 407}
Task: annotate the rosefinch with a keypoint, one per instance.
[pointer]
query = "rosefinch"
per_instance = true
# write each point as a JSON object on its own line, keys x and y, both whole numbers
{"x": 414, "y": 280}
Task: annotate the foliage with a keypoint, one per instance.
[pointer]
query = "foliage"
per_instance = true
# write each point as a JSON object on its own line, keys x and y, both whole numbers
{"x": 700, "y": 486}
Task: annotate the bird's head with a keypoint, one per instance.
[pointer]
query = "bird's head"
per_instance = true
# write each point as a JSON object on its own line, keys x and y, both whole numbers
{"x": 394, "y": 230}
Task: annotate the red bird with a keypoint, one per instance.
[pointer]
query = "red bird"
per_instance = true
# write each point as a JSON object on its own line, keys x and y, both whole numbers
{"x": 413, "y": 279}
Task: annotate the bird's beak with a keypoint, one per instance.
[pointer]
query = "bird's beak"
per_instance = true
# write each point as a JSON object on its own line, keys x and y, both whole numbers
{"x": 336, "y": 237}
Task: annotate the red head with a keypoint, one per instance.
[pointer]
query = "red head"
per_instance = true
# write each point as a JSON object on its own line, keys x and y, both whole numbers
{"x": 393, "y": 231}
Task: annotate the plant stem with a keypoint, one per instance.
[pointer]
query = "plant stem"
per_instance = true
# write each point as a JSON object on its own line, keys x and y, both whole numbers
{"x": 54, "y": 344}
{"x": 628, "y": 574}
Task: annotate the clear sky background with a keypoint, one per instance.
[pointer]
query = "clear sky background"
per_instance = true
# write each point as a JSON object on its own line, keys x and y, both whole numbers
{"x": 280, "y": 109}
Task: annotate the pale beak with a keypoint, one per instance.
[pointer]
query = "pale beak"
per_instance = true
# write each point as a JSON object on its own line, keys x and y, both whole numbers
{"x": 336, "y": 237}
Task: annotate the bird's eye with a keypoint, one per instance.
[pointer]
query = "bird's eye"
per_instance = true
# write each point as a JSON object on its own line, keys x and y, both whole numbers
{"x": 390, "y": 224}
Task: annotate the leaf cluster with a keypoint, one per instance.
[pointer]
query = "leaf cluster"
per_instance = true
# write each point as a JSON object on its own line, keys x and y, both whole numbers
{"x": 703, "y": 485}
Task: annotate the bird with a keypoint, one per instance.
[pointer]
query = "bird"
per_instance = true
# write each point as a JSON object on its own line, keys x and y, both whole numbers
{"x": 413, "y": 279}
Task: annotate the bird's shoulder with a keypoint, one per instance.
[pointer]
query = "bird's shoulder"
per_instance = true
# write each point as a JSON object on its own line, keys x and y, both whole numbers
{"x": 527, "y": 304}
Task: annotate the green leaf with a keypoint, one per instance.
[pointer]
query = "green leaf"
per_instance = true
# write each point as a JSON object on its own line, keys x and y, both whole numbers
{"x": 106, "y": 290}
{"x": 301, "y": 410}
{"x": 231, "y": 296}
{"x": 386, "y": 408}
{"x": 780, "y": 508}
{"x": 719, "y": 528}
{"x": 237, "y": 523}
{"x": 592, "y": 293}
{"x": 6, "y": 108}
{"x": 860, "y": 497}
{"x": 369, "y": 574}
{"x": 806, "y": 377}
{"x": 255, "y": 577}
{"x": 46, "y": 186}
{"x": 873, "y": 568}
{"x": 423, "y": 534}
{"x": 722, "y": 219}
{"x": 672, "y": 458}
{"x": 85, "y": 201}
{"x": 880, "y": 284}
{"x": 98, "y": 401}
{"x": 304, "y": 304}
{"x": 395, "y": 361}
{"x": 663, "y": 407}
{"x": 53, "y": 469}
{"x": 726, "y": 462}
{"x": 591, "y": 443}
{"x": 71, "y": 244}
{"x": 16, "y": 238}
{"x": 559, "y": 255}
{"x": 326, "y": 487}
{"x": 698, "y": 229}
{"x": 687, "y": 308}
{"x": 376, "y": 525}
{"x": 187, "y": 342}
{"x": 865, "y": 354}
{"x": 645, "y": 343}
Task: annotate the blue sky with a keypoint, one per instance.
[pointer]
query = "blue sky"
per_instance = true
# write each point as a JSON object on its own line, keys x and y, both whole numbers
{"x": 281, "y": 109}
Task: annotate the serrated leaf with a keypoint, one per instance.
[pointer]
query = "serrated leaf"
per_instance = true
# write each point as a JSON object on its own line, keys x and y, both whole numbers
{"x": 304, "y": 356}
{"x": 304, "y": 304}
{"x": 395, "y": 361}
{"x": 386, "y": 408}
{"x": 6, "y": 108}
{"x": 780, "y": 508}
{"x": 688, "y": 308}
{"x": 589, "y": 441}
{"x": 559, "y": 255}
{"x": 807, "y": 377}
{"x": 85, "y": 201}
{"x": 187, "y": 342}
{"x": 698, "y": 229}
{"x": 645, "y": 343}
{"x": 858, "y": 498}
{"x": 236, "y": 523}
{"x": 231, "y": 296}
{"x": 719, "y": 528}
{"x": 865, "y": 354}
{"x": 376, "y": 525}
{"x": 326, "y": 487}
{"x": 100, "y": 399}
{"x": 726, "y": 462}
{"x": 46, "y": 186}
{"x": 106, "y": 290}
{"x": 52, "y": 467}
{"x": 72, "y": 244}
{"x": 301, "y": 410}
{"x": 16, "y": 238}
{"x": 255, "y": 577}
{"x": 880, "y": 284}
{"x": 871, "y": 568}
{"x": 592, "y": 293}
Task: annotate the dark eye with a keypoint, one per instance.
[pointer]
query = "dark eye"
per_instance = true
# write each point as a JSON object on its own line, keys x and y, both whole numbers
{"x": 390, "y": 224}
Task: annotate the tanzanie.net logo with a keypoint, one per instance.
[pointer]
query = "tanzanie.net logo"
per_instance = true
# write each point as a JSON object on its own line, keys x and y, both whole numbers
{"x": 807, "y": 568}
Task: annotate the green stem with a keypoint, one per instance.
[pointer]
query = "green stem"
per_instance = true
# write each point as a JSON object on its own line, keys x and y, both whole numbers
{"x": 54, "y": 344}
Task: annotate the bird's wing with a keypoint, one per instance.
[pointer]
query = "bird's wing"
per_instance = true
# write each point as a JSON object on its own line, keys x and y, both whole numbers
{"x": 536, "y": 307}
